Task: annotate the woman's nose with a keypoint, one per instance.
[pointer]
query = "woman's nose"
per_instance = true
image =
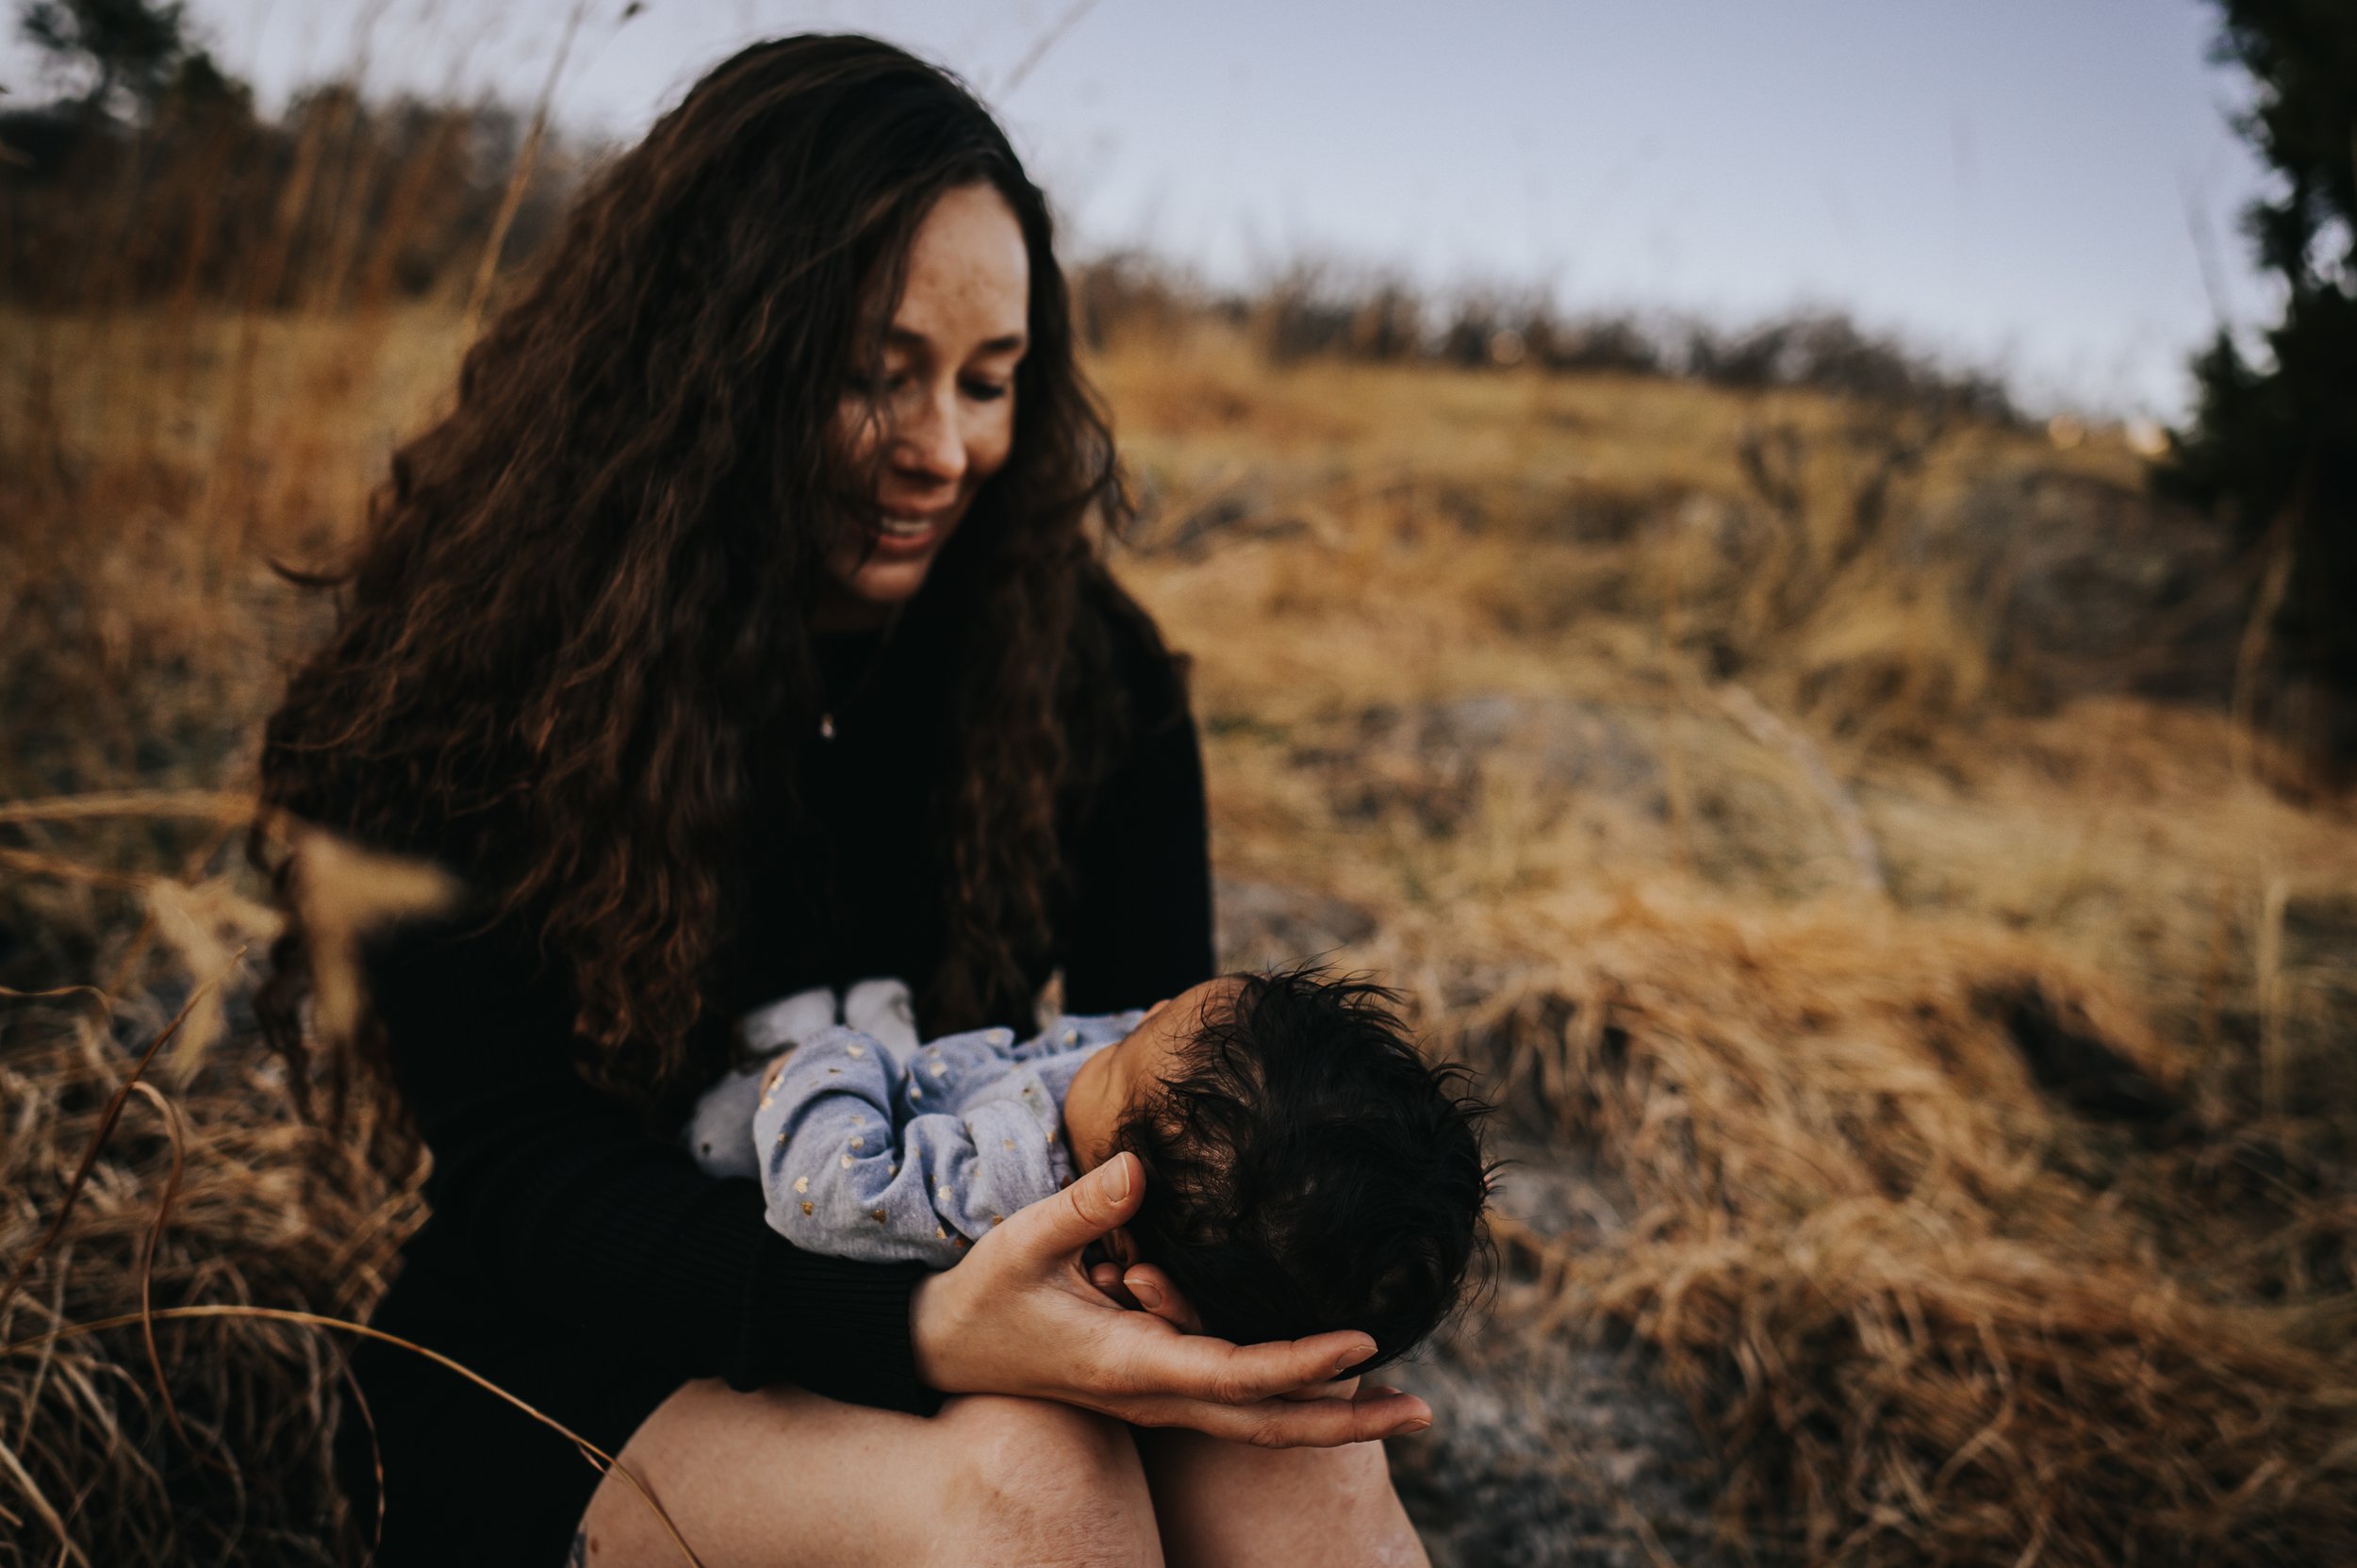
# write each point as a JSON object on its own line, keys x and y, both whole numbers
{"x": 930, "y": 442}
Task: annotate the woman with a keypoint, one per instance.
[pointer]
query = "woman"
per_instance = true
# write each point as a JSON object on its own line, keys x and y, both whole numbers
{"x": 741, "y": 631}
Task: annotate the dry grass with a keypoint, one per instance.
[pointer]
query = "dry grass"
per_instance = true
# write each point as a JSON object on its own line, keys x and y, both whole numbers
{"x": 175, "y": 1441}
{"x": 1930, "y": 1315}
{"x": 2000, "y": 1215}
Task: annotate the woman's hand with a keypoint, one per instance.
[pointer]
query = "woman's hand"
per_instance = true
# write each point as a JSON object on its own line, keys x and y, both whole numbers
{"x": 1147, "y": 1289}
{"x": 1018, "y": 1316}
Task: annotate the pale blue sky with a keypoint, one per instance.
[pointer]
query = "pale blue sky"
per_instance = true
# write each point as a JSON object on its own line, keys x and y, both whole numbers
{"x": 2020, "y": 182}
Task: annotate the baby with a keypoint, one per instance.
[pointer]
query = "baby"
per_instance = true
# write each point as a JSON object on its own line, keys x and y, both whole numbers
{"x": 1306, "y": 1169}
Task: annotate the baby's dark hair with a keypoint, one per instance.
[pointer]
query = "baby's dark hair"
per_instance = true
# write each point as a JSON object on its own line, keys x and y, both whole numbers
{"x": 1307, "y": 1169}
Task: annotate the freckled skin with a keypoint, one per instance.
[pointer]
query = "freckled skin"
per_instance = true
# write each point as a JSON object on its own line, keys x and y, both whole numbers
{"x": 945, "y": 396}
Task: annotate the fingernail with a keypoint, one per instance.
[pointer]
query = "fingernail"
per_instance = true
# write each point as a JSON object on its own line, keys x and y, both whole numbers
{"x": 1351, "y": 1359}
{"x": 1142, "y": 1287}
{"x": 1119, "y": 1181}
{"x": 1418, "y": 1425}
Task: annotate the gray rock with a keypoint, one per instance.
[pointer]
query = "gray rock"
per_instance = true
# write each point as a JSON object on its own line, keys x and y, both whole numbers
{"x": 1542, "y": 1456}
{"x": 1544, "y": 1450}
{"x": 1432, "y": 758}
{"x": 2093, "y": 587}
{"x": 1263, "y": 926}
{"x": 1752, "y": 819}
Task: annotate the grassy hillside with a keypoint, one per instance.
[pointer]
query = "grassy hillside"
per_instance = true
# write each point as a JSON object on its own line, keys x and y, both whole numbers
{"x": 1824, "y": 822}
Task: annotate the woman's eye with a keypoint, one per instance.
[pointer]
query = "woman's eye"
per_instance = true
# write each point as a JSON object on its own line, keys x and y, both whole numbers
{"x": 986, "y": 391}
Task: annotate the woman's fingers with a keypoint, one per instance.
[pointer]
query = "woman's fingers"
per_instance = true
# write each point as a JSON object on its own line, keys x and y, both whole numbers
{"x": 1151, "y": 1289}
{"x": 1054, "y": 1228}
{"x": 1156, "y": 1360}
{"x": 1296, "y": 1423}
{"x": 1107, "y": 1278}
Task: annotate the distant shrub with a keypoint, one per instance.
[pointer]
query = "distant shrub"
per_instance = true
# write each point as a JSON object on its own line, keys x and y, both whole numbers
{"x": 1827, "y": 351}
{"x": 1313, "y": 311}
{"x": 156, "y": 180}
{"x": 2272, "y": 448}
{"x": 1597, "y": 343}
{"x": 1126, "y": 291}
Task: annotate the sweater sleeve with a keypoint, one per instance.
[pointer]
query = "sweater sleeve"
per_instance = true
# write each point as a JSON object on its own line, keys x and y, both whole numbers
{"x": 1142, "y": 924}
{"x": 852, "y": 1167}
{"x": 569, "y": 1209}
{"x": 841, "y": 1174}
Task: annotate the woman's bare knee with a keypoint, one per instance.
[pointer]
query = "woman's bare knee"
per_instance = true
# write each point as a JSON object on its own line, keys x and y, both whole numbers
{"x": 1241, "y": 1506}
{"x": 1035, "y": 1481}
{"x": 786, "y": 1477}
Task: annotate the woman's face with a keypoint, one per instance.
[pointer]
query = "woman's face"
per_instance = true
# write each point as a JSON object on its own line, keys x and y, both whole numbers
{"x": 942, "y": 414}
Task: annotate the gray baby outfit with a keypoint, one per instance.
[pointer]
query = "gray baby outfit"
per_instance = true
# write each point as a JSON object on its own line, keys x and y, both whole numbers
{"x": 874, "y": 1147}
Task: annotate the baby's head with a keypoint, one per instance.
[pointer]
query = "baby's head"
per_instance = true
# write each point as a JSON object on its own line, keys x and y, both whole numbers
{"x": 1306, "y": 1168}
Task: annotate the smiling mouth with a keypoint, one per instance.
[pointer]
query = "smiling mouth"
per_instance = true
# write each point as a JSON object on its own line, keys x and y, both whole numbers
{"x": 899, "y": 537}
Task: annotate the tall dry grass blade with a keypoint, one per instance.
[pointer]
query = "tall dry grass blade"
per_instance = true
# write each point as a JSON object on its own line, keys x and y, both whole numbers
{"x": 604, "y": 1461}
{"x": 1771, "y": 731}
{"x": 479, "y": 293}
{"x": 34, "y": 864}
{"x": 209, "y": 804}
{"x": 376, "y": 1458}
{"x": 2259, "y": 631}
{"x": 57, "y": 993}
{"x": 343, "y": 894}
{"x": 30, "y": 1491}
{"x": 105, "y": 1127}
{"x": 2267, "y": 960}
{"x": 146, "y": 1266}
{"x": 1042, "y": 46}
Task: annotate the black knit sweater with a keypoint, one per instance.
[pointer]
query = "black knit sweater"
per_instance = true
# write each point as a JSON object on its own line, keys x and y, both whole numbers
{"x": 577, "y": 1257}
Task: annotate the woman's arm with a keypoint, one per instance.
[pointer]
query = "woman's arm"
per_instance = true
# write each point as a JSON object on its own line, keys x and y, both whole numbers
{"x": 569, "y": 1210}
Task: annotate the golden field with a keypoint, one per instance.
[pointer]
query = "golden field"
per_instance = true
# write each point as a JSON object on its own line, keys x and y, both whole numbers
{"x": 1743, "y": 782}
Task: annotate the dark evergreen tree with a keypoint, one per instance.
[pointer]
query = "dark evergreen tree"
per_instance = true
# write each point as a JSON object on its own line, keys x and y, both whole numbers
{"x": 136, "y": 55}
{"x": 2274, "y": 446}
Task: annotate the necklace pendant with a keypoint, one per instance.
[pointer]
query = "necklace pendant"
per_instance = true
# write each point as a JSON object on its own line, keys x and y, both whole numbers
{"x": 826, "y": 726}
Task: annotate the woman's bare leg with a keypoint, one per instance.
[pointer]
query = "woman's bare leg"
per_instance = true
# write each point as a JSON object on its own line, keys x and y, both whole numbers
{"x": 782, "y": 1476}
{"x": 1236, "y": 1505}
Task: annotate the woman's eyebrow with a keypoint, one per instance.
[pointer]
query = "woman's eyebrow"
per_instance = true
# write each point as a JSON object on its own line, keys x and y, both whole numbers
{"x": 904, "y": 338}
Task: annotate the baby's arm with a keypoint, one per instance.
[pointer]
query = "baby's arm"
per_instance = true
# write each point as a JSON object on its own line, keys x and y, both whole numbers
{"x": 840, "y": 1179}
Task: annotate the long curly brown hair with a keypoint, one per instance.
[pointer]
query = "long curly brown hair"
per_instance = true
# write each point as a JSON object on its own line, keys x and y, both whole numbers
{"x": 585, "y": 594}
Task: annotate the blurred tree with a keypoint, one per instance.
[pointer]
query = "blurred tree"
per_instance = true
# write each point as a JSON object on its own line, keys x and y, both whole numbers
{"x": 135, "y": 53}
{"x": 2273, "y": 447}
